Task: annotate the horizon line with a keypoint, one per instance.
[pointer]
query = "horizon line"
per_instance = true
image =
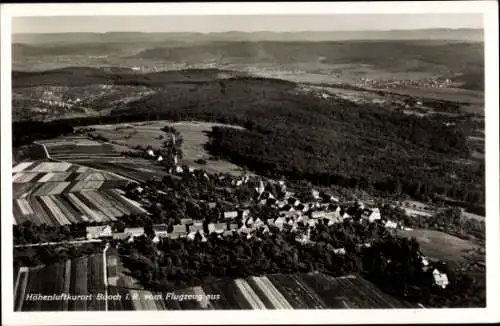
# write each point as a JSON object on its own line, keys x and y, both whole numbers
{"x": 264, "y": 31}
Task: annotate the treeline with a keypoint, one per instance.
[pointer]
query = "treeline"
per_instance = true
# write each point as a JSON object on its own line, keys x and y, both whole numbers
{"x": 448, "y": 220}
{"x": 392, "y": 263}
{"x": 47, "y": 255}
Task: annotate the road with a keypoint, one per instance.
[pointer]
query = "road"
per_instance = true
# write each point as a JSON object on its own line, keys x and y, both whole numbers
{"x": 58, "y": 243}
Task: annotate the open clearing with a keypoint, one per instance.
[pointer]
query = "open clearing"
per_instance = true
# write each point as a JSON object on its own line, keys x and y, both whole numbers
{"x": 440, "y": 245}
{"x": 148, "y": 134}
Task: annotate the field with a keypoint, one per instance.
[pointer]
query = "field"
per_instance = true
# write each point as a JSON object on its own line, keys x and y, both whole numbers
{"x": 75, "y": 149}
{"x": 61, "y": 193}
{"x": 277, "y": 291}
{"x": 80, "y": 277}
{"x": 194, "y": 135}
{"x": 103, "y": 156}
{"x": 440, "y": 245}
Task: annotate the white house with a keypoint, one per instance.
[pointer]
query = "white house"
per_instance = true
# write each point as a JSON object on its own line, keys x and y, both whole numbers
{"x": 391, "y": 224}
{"x": 231, "y": 215}
{"x": 160, "y": 158}
{"x": 95, "y": 232}
{"x": 151, "y": 152}
{"x": 441, "y": 279}
{"x": 318, "y": 214}
{"x": 375, "y": 215}
{"x": 339, "y": 251}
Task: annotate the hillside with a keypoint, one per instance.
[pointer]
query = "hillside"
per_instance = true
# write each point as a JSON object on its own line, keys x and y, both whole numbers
{"x": 393, "y": 56}
{"x": 472, "y": 35}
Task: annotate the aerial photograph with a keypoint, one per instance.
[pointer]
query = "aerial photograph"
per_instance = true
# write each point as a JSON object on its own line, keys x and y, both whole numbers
{"x": 224, "y": 162}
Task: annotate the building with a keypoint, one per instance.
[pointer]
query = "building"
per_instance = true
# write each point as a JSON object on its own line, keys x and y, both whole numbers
{"x": 231, "y": 215}
{"x": 134, "y": 232}
{"x": 96, "y": 232}
{"x": 186, "y": 221}
{"x": 318, "y": 214}
{"x": 391, "y": 224}
{"x": 150, "y": 152}
{"x": 440, "y": 279}
{"x": 160, "y": 230}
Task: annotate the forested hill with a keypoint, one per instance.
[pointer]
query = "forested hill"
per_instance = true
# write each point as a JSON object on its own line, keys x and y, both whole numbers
{"x": 300, "y": 135}
{"x": 390, "y": 55}
{"x": 85, "y": 76}
{"x": 329, "y": 141}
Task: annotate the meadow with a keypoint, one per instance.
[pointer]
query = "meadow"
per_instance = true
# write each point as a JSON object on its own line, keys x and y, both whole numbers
{"x": 194, "y": 134}
{"x": 440, "y": 245}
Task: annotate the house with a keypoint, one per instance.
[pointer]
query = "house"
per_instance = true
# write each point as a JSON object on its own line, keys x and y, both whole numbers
{"x": 160, "y": 230}
{"x": 391, "y": 224}
{"x": 270, "y": 221}
{"x": 243, "y": 229}
{"x": 227, "y": 233}
{"x": 212, "y": 205}
{"x": 312, "y": 223}
{"x": 179, "y": 228}
{"x": 282, "y": 203}
{"x": 160, "y": 158}
{"x": 196, "y": 227}
{"x": 134, "y": 232}
{"x": 139, "y": 189}
{"x": 220, "y": 227}
{"x": 245, "y": 213}
{"x": 95, "y": 232}
{"x": 440, "y": 279}
{"x": 186, "y": 221}
{"x": 233, "y": 227}
{"x": 339, "y": 251}
{"x": 315, "y": 194}
{"x": 211, "y": 228}
{"x": 120, "y": 236}
{"x": 249, "y": 221}
{"x": 231, "y": 215}
{"x": 258, "y": 223}
{"x": 178, "y": 169}
{"x": 318, "y": 214}
{"x": 375, "y": 215}
{"x": 279, "y": 222}
{"x": 150, "y": 152}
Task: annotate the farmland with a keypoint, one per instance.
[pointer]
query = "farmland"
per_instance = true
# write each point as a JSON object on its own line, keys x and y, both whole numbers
{"x": 61, "y": 193}
{"x": 85, "y": 276}
{"x": 276, "y": 291}
{"x": 82, "y": 277}
{"x": 193, "y": 133}
{"x": 440, "y": 245}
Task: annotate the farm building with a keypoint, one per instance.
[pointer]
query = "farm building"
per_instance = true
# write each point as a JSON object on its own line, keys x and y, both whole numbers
{"x": 96, "y": 232}
{"x": 440, "y": 279}
{"x": 134, "y": 232}
{"x": 231, "y": 215}
{"x": 186, "y": 221}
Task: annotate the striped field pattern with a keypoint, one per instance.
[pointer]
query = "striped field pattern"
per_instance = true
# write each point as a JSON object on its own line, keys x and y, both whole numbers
{"x": 278, "y": 291}
{"x": 61, "y": 193}
{"x": 82, "y": 276}
{"x": 269, "y": 292}
{"x": 77, "y": 148}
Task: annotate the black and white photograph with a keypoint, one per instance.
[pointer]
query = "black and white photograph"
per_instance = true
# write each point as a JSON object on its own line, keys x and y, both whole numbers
{"x": 318, "y": 162}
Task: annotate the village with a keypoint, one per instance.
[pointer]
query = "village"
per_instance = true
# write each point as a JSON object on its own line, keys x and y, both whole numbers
{"x": 286, "y": 211}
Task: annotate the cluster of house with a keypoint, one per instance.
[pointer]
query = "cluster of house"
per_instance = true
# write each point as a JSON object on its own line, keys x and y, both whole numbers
{"x": 440, "y": 278}
{"x": 151, "y": 153}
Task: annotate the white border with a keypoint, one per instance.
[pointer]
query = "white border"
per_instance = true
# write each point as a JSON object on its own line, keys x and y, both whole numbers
{"x": 490, "y": 314}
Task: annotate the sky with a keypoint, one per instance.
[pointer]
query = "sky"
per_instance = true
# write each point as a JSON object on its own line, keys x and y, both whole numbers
{"x": 212, "y": 23}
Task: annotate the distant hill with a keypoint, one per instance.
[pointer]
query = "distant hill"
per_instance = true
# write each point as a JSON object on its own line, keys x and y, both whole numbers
{"x": 390, "y": 55}
{"x": 468, "y": 35}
